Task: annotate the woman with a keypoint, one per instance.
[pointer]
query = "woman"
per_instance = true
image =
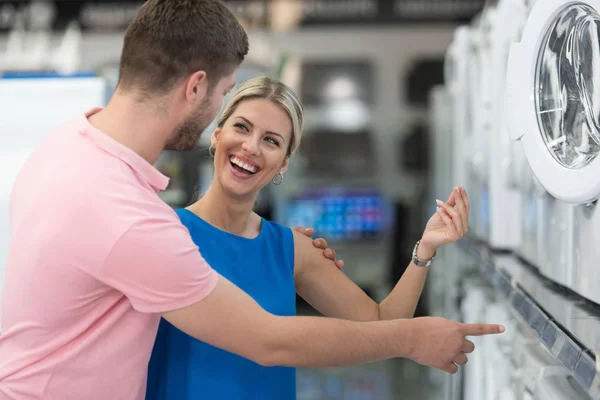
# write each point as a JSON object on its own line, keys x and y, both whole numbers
{"x": 255, "y": 137}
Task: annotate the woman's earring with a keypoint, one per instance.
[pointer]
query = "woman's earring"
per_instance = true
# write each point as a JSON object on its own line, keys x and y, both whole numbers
{"x": 280, "y": 181}
{"x": 211, "y": 151}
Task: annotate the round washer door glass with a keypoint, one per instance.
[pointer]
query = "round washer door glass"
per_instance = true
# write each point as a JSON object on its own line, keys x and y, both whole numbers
{"x": 567, "y": 94}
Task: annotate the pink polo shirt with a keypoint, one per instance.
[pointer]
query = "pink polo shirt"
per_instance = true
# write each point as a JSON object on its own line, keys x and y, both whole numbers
{"x": 95, "y": 256}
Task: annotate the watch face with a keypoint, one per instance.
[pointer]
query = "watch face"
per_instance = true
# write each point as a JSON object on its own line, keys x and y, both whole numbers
{"x": 567, "y": 92}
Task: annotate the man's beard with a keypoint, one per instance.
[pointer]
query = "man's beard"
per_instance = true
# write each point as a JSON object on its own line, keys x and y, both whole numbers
{"x": 188, "y": 133}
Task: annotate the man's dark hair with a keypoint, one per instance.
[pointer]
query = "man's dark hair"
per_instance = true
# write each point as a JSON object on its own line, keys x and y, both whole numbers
{"x": 171, "y": 39}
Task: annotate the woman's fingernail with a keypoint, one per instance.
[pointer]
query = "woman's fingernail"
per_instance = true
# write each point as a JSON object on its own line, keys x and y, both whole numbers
{"x": 439, "y": 202}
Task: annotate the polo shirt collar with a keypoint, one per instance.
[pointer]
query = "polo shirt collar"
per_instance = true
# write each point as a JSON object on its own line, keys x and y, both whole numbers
{"x": 146, "y": 170}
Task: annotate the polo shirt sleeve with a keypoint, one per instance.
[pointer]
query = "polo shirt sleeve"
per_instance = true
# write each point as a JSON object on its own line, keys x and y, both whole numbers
{"x": 158, "y": 267}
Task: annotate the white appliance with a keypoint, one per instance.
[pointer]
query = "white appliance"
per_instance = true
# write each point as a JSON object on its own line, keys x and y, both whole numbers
{"x": 473, "y": 306}
{"x": 558, "y": 261}
{"x": 456, "y": 71}
{"x": 504, "y": 25}
{"x": 440, "y": 117}
{"x": 555, "y": 97}
{"x": 478, "y": 118}
{"x": 499, "y": 351}
{"x": 532, "y": 199}
{"x": 32, "y": 105}
{"x": 439, "y": 286}
{"x": 536, "y": 358}
{"x": 556, "y": 383}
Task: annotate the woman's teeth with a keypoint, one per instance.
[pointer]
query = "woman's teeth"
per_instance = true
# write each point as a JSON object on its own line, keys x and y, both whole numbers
{"x": 236, "y": 161}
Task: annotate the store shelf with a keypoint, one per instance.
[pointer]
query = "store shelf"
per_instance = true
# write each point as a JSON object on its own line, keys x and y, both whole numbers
{"x": 566, "y": 324}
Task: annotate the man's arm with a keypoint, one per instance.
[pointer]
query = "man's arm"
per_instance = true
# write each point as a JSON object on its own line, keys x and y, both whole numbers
{"x": 230, "y": 319}
{"x": 160, "y": 270}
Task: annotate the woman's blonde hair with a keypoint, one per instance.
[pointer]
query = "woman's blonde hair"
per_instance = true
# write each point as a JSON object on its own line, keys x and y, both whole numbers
{"x": 279, "y": 93}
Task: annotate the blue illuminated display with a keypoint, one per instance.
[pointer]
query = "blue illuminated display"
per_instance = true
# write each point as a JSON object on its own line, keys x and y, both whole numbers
{"x": 339, "y": 214}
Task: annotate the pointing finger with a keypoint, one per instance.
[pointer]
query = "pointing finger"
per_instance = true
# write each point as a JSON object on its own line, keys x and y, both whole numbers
{"x": 482, "y": 329}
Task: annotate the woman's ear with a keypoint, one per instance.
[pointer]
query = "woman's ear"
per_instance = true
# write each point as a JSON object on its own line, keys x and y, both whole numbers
{"x": 214, "y": 137}
{"x": 284, "y": 165}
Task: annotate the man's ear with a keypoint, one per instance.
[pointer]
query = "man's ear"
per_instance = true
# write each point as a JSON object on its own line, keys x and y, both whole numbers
{"x": 196, "y": 87}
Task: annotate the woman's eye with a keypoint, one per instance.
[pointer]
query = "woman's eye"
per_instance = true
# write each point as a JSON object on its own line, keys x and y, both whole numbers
{"x": 241, "y": 126}
{"x": 273, "y": 141}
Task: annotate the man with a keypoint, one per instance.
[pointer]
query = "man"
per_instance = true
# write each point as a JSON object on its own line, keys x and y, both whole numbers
{"x": 96, "y": 258}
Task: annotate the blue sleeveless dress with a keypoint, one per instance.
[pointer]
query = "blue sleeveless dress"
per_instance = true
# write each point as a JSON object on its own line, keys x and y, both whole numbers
{"x": 183, "y": 368}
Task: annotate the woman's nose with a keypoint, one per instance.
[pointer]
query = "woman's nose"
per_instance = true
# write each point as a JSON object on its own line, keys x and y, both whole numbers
{"x": 251, "y": 145}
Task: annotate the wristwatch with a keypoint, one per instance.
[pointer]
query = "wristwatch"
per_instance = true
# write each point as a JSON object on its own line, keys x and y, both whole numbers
{"x": 421, "y": 263}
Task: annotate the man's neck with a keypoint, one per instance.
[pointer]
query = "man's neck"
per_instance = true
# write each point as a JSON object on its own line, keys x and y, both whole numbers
{"x": 141, "y": 127}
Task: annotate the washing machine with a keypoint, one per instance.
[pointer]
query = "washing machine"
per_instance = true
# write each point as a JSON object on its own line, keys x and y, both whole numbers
{"x": 440, "y": 286}
{"x": 532, "y": 198}
{"x": 536, "y": 358}
{"x": 556, "y": 383}
{"x": 499, "y": 352}
{"x": 456, "y": 71}
{"x": 483, "y": 98}
{"x": 502, "y": 26}
{"x": 479, "y": 124}
{"x": 585, "y": 277}
{"x": 475, "y": 301}
{"x": 442, "y": 148}
{"x": 531, "y": 201}
{"x": 557, "y": 263}
{"x": 555, "y": 97}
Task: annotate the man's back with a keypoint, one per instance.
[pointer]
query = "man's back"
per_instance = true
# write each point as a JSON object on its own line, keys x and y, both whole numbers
{"x": 81, "y": 303}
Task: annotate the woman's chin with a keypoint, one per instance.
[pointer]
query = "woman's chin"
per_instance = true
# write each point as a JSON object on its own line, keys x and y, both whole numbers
{"x": 239, "y": 189}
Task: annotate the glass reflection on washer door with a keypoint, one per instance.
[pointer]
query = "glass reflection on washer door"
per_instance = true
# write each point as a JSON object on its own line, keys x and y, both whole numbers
{"x": 567, "y": 91}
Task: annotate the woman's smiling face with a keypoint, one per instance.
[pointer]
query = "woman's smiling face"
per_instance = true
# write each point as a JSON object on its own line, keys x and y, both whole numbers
{"x": 251, "y": 147}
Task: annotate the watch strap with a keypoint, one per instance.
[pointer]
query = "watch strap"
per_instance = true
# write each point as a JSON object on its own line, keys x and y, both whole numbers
{"x": 417, "y": 261}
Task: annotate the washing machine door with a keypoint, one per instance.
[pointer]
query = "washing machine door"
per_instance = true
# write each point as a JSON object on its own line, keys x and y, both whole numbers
{"x": 554, "y": 95}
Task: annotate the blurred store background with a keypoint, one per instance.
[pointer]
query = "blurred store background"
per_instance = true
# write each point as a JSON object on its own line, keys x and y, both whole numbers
{"x": 379, "y": 143}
